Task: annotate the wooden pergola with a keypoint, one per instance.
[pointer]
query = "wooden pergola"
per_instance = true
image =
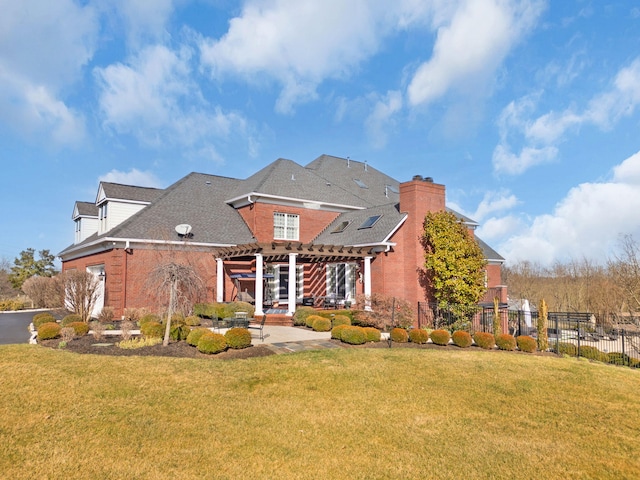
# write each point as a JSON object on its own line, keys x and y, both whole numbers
{"x": 291, "y": 252}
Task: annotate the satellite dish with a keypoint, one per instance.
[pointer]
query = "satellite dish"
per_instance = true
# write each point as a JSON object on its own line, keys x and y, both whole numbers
{"x": 183, "y": 229}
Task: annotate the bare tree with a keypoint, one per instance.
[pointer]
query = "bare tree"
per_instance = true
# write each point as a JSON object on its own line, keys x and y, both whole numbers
{"x": 81, "y": 291}
{"x": 625, "y": 270}
{"x": 177, "y": 285}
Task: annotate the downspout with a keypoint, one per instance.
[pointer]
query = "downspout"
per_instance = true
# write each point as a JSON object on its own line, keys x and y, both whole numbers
{"x": 124, "y": 278}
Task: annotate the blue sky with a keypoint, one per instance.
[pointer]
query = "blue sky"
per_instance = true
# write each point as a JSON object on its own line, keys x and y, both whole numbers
{"x": 528, "y": 112}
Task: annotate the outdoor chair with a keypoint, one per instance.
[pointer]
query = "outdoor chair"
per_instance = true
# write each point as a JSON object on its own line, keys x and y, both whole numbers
{"x": 259, "y": 326}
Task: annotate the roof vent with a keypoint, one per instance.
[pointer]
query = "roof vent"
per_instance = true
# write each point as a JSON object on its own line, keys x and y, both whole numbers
{"x": 293, "y": 177}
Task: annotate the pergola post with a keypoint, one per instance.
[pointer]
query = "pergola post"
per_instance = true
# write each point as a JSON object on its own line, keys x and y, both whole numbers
{"x": 259, "y": 293}
{"x": 219, "y": 280}
{"x": 293, "y": 281}
{"x": 367, "y": 283}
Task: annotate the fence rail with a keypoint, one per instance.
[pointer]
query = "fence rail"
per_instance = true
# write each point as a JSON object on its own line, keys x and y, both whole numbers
{"x": 577, "y": 334}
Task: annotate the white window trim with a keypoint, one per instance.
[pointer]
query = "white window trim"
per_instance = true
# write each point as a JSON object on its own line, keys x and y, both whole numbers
{"x": 291, "y": 222}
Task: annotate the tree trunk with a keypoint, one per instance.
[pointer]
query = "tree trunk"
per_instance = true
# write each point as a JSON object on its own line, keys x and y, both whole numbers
{"x": 172, "y": 296}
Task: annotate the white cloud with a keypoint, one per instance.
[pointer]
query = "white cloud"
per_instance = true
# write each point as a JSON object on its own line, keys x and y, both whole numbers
{"x": 587, "y": 222}
{"x": 154, "y": 98}
{"x": 380, "y": 120}
{"x": 494, "y": 202}
{"x": 471, "y": 45}
{"x": 541, "y": 136}
{"x": 132, "y": 177}
{"x": 143, "y": 20}
{"x": 43, "y": 47}
{"x": 297, "y": 43}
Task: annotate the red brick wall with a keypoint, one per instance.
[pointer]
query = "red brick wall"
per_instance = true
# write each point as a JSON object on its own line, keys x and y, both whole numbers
{"x": 259, "y": 218}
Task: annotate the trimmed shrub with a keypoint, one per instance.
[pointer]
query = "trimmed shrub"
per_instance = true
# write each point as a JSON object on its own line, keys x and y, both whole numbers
{"x": 192, "y": 320}
{"x": 195, "y": 334}
{"x": 526, "y": 343}
{"x": 484, "y": 340}
{"x": 71, "y": 318}
{"x": 592, "y": 353}
{"x": 504, "y": 341}
{"x": 177, "y": 332}
{"x": 336, "y": 332}
{"x": 79, "y": 328}
{"x": 212, "y": 343}
{"x": 373, "y": 334}
{"x": 42, "y": 318}
{"x": 418, "y": 335}
{"x": 48, "y": 331}
{"x": 238, "y": 338}
{"x": 311, "y": 319}
{"x": 399, "y": 335}
{"x": 565, "y": 348}
{"x": 321, "y": 324}
{"x": 301, "y": 314}
{"x": 230, "y": 309}
{"x": 152, "y": 329}
{"x": 619, "y": 358}
{"x": 462, "y": 338}
{"x": 440, "y": 337}
{"x": 353, "y": 335}
{"x": 149, "y": 317}
{"x": 205, "y": 310}
{"x": 341, "y": 320}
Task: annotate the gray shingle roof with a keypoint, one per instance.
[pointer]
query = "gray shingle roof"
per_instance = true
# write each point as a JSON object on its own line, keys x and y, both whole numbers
{"x": 86, "y": 209}
{"x": 198, "y": 200}
{"x": 285, "y": 178}
{"x": 340, "y": 172}
{"x": 489, "y": 253}
{"x": 390, "y": 218}
{"x": 117, "y": 191}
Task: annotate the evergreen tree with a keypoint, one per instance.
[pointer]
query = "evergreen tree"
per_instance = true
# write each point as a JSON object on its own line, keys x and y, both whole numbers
{"x": 26, "y": 266}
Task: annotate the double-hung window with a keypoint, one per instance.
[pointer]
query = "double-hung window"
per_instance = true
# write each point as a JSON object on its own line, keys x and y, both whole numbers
{"x": 286, "y": 226}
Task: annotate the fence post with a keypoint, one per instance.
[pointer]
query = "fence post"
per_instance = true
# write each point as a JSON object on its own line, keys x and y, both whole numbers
{"x": 623, "y": 349}
{"x": 578, "y": 324}
{"x": 557, "y": 336}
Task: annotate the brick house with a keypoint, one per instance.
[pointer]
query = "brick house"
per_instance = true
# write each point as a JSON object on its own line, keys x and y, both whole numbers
{"x": 328, "y": 232}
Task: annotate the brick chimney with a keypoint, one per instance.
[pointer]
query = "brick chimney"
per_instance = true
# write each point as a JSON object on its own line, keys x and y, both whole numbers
{"x": 417, "y": 197}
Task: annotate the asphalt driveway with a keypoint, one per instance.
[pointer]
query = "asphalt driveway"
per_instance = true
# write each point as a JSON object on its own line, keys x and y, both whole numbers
{"x": 14, "y": 327}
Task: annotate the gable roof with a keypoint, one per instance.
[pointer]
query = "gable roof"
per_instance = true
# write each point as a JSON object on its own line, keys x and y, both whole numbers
{"x": 377, "y": 188}
{"x": 84, "y": 209}
{"x": 118, "y": 191}
{"x": 285, "y": 179}
{"x": 489, "y": 253}
{"x": 196, "y": 200}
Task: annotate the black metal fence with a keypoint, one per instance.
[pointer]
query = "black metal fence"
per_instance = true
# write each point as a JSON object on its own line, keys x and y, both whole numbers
{"x": 577, "y": 334}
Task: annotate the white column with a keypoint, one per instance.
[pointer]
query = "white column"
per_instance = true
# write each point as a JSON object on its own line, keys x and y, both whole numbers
{"x": 367, "y": 282}
{"x": 259, "y": 293}
{"x": 293, "y": 280}
{"x": 219, "y": 280}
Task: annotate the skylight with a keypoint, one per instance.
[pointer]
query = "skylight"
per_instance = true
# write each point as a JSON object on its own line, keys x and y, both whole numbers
{"x": 370, "y": 222}
{"x": 340, "y": 227}
{"x": 392, "y": 188}
{"x": 360, "y": 183}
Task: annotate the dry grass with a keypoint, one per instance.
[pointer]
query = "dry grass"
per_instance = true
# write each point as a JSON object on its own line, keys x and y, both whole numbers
{"x": 344, "y": 413}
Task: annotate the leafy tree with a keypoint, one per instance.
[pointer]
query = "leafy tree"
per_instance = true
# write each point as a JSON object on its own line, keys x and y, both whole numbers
{"x": 454, "y": 262}
{"x": 27, "y": 266}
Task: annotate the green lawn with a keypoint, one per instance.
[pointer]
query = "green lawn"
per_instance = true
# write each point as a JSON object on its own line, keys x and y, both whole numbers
{"x": 339, "y": 413}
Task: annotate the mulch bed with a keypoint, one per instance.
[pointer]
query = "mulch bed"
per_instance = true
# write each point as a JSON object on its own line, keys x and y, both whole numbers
{"x": 106, "y": 346}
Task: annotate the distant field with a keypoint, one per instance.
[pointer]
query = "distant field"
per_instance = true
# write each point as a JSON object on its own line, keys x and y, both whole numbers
{"x": 340, "y": 413}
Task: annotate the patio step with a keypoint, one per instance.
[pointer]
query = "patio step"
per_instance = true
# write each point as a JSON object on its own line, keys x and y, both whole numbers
{"x": 279, "y": 319}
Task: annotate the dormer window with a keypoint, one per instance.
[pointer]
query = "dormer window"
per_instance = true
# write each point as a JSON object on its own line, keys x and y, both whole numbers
{"x": 286, "y": 226}
{"x": 102, "y": 216}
